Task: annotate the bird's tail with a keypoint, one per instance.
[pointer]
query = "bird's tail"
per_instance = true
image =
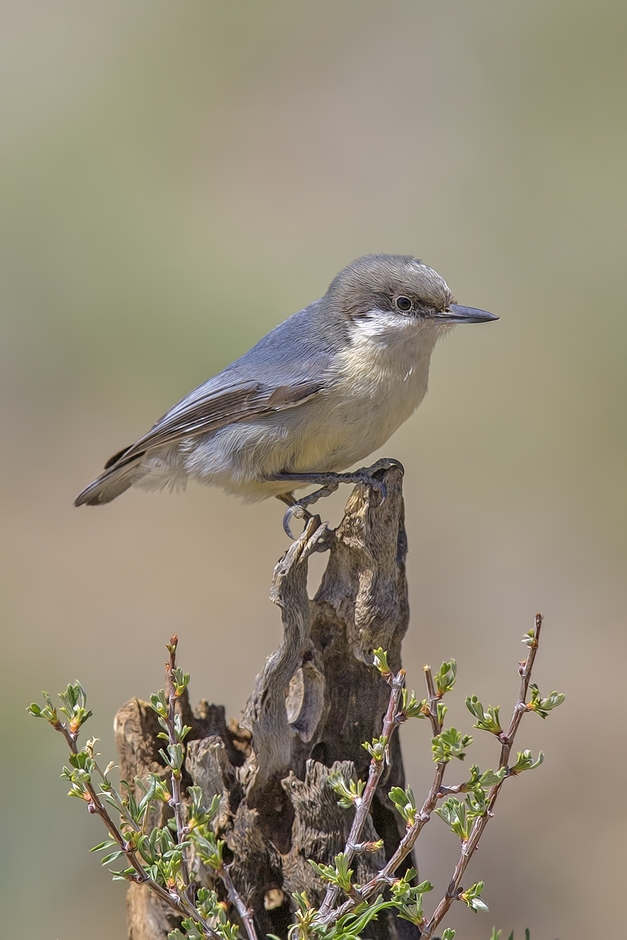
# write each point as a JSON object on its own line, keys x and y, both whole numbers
{"x": 119, "y": 476}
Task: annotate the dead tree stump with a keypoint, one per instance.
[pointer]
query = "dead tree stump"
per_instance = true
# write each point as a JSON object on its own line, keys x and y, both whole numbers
{"x": 315, "y": 702}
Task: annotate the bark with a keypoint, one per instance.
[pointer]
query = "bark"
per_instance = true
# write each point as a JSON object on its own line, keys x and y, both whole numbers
{"x": 315, "y": 702}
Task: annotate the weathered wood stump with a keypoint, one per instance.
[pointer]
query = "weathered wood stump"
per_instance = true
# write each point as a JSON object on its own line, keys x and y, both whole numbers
{"x": 315, "y": 702}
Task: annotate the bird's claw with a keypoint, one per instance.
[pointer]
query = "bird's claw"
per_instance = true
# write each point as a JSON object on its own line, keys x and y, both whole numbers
{"x": 297, "y": 511}
{"x": 298, "y": 508}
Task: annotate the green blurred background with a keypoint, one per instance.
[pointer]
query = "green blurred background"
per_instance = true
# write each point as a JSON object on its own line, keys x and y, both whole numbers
{"x": 179, "y": 177}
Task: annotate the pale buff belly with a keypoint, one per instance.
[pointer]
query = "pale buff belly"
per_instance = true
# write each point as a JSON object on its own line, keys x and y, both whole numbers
{"x": 329, "y": 434}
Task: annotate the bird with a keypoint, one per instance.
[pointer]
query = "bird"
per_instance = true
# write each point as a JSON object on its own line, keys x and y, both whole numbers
{"x": 315, "y": 396}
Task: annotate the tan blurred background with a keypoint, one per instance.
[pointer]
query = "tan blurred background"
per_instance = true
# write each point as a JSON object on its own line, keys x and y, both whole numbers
{"x": 179, "y": 177}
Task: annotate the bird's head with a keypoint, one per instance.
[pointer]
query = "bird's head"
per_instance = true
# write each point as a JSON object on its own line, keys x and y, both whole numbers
{"x": 397, "y": 290}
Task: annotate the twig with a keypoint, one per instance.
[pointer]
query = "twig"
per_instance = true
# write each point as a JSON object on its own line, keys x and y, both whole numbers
{"x": 432, "y": 701}
{"x": 176, "y": 802}
{"x": 363, "y": 803}
{"x": 180, "y": 905}
{"x": 236, "y": 899}
{"x": 175, "y": 777}
{"x": 181, "y": 902}
{"x": 520, "y": 708}
{"x": 507, "y": 742}
{"x": 383, "y": 878}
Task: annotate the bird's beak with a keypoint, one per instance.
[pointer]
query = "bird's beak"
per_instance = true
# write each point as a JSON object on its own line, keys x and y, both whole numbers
{"x": 458, "y": 314}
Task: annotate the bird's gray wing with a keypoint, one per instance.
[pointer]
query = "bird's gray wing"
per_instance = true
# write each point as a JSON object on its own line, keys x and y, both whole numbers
{"x": 225, "y": 399}
{"x": 213, "y": 406}
{"x": 286, "y": 368}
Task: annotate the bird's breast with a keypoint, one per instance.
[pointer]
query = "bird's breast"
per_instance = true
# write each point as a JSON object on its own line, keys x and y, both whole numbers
{"x": 387, "y": 366}
{"x": 377, "y": 382}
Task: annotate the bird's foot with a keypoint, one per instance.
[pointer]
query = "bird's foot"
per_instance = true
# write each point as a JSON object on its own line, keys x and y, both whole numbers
{"x": 329, "y": 483}
{"x": 297, "y": 508}
{"x": 370, "y": 475}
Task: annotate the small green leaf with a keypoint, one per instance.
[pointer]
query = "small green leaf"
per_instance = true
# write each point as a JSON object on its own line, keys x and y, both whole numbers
{"x": 491, "y": 778}
{"x": 112, "y": 857}
{"x": 455, "y": 814}
{"x": 405, "y": 803}
{"x": 48, "y": 712}
{"x": 159, "y": 703}
{"x": 380, "y": 661}
{"x": 180, "y": 680}
{"x": 472, "y": 897}
{"x": 445, "y": 678}
{"x": 525, "y": 761}
{"x": 542, "y": 706}
{"x": 487, "y": 719}
{"x": 449, "y": 744}
{"x": 376, "y": 748}
{"x": 441, "y": 710}
{"x": 350, "y": 795}
{"x": 107, "y": 844}
{"x": 411, "y": 707}
{"x": 407, "y": 898}
{"x": 339, "y": 874}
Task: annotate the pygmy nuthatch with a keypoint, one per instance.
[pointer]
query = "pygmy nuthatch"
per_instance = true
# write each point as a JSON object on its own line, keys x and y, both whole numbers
{"x": 316, "y": 395}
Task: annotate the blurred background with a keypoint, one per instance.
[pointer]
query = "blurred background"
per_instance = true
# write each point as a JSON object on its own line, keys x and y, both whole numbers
{"x": 177, "y": 178}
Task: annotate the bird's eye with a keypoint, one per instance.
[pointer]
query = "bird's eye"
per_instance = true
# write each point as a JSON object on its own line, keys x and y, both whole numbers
{"x": 403, "y": 303}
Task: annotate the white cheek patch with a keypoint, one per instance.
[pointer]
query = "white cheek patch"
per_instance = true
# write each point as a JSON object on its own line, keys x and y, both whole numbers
{"x": 392, "y": 342}
{"x": 382, "y": 325}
